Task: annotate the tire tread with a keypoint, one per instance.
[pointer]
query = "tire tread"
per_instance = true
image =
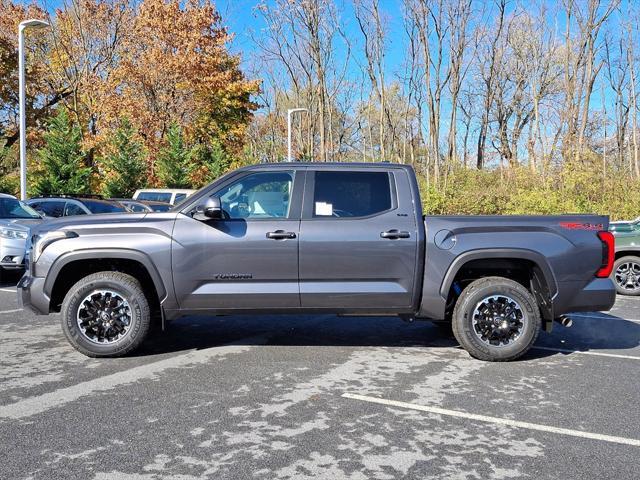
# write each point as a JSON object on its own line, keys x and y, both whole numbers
{"x": 458, "y": 320}
{"x": 122, "y": 279}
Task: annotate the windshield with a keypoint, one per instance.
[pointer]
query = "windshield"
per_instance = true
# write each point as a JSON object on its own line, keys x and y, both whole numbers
{"x": 95, "y": 206}
{"x": 12, "y": 208}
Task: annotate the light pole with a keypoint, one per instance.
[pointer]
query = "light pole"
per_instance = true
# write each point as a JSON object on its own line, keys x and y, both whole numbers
{"x": 289, "y": 113}
{"x": 33, "y": 23}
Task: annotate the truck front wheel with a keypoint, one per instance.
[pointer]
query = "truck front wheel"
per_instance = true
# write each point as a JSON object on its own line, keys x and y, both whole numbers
{"x": 106, "y": 314}
{"x": 496, "y": 319}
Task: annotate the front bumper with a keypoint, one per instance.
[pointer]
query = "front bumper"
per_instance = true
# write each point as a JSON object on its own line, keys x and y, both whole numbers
{"x": 12, "y": 253}
{"x": 31, "y": 294}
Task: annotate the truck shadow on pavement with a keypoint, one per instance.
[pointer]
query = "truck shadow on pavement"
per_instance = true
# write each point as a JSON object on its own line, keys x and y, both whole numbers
{"x": 592, "y": 331}
{"x": 607, "y": 332}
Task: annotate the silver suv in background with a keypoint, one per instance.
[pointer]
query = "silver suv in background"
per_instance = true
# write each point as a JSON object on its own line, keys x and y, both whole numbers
{"x": 15, "y": 219}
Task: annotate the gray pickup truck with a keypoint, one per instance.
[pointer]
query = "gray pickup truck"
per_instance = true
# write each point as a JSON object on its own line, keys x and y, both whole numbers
{"x": 347, "y": 239}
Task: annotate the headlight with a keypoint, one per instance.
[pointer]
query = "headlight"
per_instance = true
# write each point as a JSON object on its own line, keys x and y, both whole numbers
{"x": 40, "y": 242}
{"x": 13, "y": 233}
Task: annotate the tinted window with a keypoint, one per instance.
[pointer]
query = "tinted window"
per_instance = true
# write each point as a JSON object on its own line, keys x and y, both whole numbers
{"x": 258, "y": 195}
{"x": 179, "y": 198}
{"x": 159, "y": 207}
{"x": 136, "y": 207}
{"x": 155, "y": 197}
{"x": 73, "y": 209}
{"x": 351, "y": 194}
{"x": 51, "y": 209}
{"x": 12, "y": 208}
{"x": 95, "y": 206}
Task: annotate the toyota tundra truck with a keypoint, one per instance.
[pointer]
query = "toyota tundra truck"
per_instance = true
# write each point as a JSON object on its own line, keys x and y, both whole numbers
{"x": 293, "y": 238}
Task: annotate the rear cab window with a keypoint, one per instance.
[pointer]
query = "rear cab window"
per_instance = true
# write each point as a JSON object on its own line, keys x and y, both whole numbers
{"x": 351, "y": 194}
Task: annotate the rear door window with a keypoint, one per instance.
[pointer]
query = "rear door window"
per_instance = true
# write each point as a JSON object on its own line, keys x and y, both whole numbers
{"x": 72, "y": 208}
{"x": 52, "y": 209}
{"x": 343, "y": 194}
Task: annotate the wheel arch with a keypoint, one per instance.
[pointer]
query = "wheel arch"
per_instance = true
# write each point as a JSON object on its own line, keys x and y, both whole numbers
{"x": 539, "y": 279}
{"x": 72, "y": 266}
{"x": 627, "y": 252}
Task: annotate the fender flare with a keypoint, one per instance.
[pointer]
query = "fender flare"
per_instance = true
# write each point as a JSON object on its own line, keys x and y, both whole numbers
{"x": 630, "y": 250}
{"x": 105, "y": 253}
{"x": 482, "y": 254}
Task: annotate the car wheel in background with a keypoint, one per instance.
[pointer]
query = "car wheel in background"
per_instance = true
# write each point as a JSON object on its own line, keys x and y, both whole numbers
{"x": 106, "y": 314}
{"x": 496, "y": 319}
{"x": 626, "y": 275}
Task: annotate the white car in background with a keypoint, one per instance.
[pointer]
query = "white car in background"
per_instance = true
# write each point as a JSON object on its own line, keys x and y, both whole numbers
{"x": 15, "y": 220}
{"x": 166, "y": 195}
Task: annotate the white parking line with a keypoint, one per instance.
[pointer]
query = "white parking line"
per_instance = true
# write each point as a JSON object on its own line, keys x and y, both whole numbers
{"x": 498, "y": 421}
{"x": 42, "y": 403}
{"x": 11, "y": 311}
{"x": 598, "y": 354}
{"x": 9, "y": 290}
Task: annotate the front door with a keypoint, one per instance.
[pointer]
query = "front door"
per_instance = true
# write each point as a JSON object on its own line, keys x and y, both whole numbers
{"x": 358, "y": 241}
{"x": 249, "y": 259}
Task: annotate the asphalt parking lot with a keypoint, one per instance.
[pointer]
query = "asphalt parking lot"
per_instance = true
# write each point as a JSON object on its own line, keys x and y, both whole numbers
{"x": 319, "y": 397}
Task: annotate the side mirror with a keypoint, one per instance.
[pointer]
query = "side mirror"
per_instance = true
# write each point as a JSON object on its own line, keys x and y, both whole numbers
{"x": 211, "y": 210}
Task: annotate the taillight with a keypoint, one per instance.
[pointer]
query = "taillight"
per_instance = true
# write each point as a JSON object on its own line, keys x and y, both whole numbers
{"x": 608, "y": 254}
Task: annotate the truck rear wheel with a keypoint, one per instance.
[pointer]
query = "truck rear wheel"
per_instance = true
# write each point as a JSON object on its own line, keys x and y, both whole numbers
{"x": 106, "y": 314}
{"x": 626, "y": 275}
{"x": 496, "y": 319}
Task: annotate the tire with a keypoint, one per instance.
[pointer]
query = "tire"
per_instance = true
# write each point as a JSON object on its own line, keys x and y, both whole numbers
{"x": 118, "y": 296}
{"x": 626, "y": 275}
{"x": 478, "y": 301}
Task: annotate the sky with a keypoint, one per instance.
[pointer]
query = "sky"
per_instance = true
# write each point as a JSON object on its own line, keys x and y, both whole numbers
{"x": 243, "y": 21}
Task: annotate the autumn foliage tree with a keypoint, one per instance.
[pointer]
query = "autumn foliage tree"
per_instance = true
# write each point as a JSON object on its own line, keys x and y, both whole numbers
{"x": 155, "y": 62}
{"x": 175, "y": 68}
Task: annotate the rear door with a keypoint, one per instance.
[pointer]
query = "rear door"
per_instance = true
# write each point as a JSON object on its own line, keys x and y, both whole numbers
{"x": 358, "y": 240}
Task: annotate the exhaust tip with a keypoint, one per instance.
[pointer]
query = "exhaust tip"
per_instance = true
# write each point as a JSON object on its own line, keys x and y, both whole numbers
{"x": 565, "y": 321}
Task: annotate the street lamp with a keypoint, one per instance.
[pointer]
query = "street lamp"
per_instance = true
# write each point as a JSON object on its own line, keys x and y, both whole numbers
{"x": 289, "y": 113}
{"x": 33, "y": 23}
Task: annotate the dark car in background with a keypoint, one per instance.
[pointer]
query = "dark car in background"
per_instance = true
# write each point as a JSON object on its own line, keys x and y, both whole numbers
{"x": 71, "y": 205}
{"x": 626, "y": 270}
{"x": 625, "y": 226}
{"x": 141, "y": 206}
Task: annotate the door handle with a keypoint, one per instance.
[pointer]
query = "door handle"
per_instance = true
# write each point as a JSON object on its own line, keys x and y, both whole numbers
{"x": 394, "y": 234}
{"x": 280, "y": 235}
